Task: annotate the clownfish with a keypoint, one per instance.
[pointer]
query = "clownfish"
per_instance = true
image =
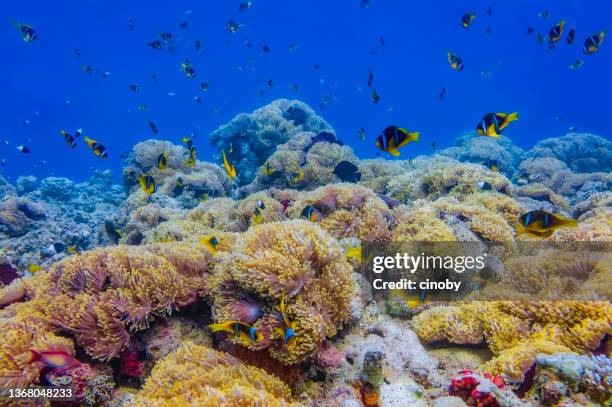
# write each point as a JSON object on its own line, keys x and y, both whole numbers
{"x": 287, "y": 328}
{"x": 267, "y": 168}
{"x": 210, "y": 242}
{"x": 247, "y": 333}
{"x": 257, "y": 216}
{"x": 147, "y": 184}
{"x": 309, "y": 213}
{"x": 393, "y": 138}
{"x": 98, "y": 149}
{"x": 542, "y": 223}
{"x": 162, "y": 161}
{"x": 192, "y": 158}
{"x": 492, "y": 124}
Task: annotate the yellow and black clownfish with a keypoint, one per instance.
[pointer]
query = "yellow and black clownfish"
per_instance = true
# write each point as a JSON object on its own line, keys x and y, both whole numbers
{"x": 542, "y": 223}
{"x": 393, "y": 137}
{"x": 492, "y": 124}
{"x": 210, "y": 242}
{"x": 162, "y": 161}
{"x": 267, "y": 168}
{"x": 147, "y": 184}
{"x": 192, "y": 158}
{"x": 247, "y": 333}
{"x": 455, "y": 61}
{"x": 592, "y": 44}
{"x": 555, "y": 33}
{"x": 467, "y": 19}
{"x": 98, "y": 149}
{"x": 309, "y": 213}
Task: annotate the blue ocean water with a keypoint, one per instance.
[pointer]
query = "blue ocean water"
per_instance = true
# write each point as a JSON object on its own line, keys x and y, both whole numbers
{"x": 43, "y": 82}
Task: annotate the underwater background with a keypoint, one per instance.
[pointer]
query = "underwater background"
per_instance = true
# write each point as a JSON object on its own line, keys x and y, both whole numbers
{"x": 208, "y": 203}
{"x": 39, "y": 79}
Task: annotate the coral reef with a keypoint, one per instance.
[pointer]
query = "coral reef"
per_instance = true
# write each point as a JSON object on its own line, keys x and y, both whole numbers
{"x": 17, "y": 214}
{"x": 221, "y": 291}
{"x": 567, "y": 378}
{"x": 6, "y": 189}
{"x": 473, "y": 148}
{"x": 346, "y": 210}
{"x": 254, "y": 136}
{"x": 294, "y": 259}
{"x": 516, "y": 332}
{"x": 98, "y": 298}
{"x": 197, "y": 375}
{"x": 313, "y": 161}
{"x": 61, "y": 214}
{"x": 179, "y": 185}
{"x": 581, "y": 152}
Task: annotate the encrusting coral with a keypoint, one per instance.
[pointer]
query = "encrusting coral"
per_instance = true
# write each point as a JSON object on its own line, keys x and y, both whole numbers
{"x": 296, "y": 259}
{"x": 200, "y": 376}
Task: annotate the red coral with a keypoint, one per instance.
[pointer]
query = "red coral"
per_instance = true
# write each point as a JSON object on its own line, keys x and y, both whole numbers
{"x": 286, "y": 203}
{"x": 130, "y": 364}
{"x": 76, "y": 378}
{"x": 474, "y": 389}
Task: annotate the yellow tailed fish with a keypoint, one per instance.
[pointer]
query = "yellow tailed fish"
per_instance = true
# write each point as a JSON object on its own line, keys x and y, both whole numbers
{"x": 210, "y": 242}
{"x": 147, "y": 184}
{"x": 162, "y": 161}
{"x": 247, "y": 333}
{"x": 33, "y": 268}
{"x": 542, "y": 223}
{"x": 230, "y": 169}
{"x": 393, "y": 138}
{"x": 98, "y": 149}
{"x": 287, "y": 329}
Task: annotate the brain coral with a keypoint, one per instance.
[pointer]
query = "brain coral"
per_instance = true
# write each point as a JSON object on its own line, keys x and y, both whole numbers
{"x": 296, "y": 258}
{"x": 255, "y": 136}
{"x": 200, "y": 376}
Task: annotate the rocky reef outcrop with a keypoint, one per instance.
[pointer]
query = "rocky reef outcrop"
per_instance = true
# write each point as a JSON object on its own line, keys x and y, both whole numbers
{"x": 41, "y": 225}
{"x": 255, "y": 136}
